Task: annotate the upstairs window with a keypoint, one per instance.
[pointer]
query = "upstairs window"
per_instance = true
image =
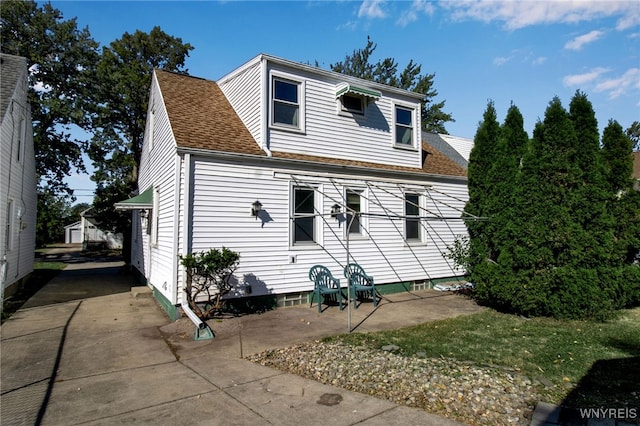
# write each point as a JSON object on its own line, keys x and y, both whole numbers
{"x": 412, "y": 217}
{"x": 286, "y": 97}
{"x": 404, "y": 126}
{"x": 353, "y": 104}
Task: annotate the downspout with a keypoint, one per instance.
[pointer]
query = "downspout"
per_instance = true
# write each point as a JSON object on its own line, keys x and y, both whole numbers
{"x": 264, "y": 121}
{"x": 176, "y": 230}
{"x": 202, "y": 329}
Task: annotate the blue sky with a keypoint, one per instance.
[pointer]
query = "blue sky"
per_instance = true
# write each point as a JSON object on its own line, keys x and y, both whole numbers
{"x": 523, "y": 52}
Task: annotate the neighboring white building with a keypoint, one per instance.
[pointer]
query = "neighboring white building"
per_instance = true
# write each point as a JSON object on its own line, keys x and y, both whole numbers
{"x": 462, "y": 145}
{"x": 73, "y": 233}
{"x": 303, "y": 142}
{"x": 92, "y": 236}
{"x": 17, "y": 176}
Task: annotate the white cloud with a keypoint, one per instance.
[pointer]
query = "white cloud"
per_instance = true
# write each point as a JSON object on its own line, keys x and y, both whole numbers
{"x": 539, "y": 60}
{"x": 588, "y": 77}
{"x": 371, "y": 9}
{"x": 578, "y": 42}
{"x": 521, "y": 14}
{"x": 501, "y": 60}
{"x": 629, "y": 81}
{"x": 417, "y": 7}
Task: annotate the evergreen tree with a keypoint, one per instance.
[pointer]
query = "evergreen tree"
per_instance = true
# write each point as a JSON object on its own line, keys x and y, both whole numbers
{"x": 589, "y": 201}
{"x": 481, "y": 185}
{"x": 624, "y": 203}
{"x": 506, "y": 175}
{"x": 385, "y": 71}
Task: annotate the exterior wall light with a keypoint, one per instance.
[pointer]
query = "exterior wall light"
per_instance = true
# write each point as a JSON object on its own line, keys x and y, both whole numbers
{"x": 256, "y": 206}
{"x": 335, "y": 210}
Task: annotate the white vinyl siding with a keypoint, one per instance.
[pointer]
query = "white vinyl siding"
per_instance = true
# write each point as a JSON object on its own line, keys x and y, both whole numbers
{"x": 223, "y": 194}
{"x": 17, "y": 185}
{"x": 244, "y": 93}
{"x": 365, "y": 137}
{"x": 155, "y": 252}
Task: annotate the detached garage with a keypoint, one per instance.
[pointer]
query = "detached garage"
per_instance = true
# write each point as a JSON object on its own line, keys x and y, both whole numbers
{"x": 73, "y": 233}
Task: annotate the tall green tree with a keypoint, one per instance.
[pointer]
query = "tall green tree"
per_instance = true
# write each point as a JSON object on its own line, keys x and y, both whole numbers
{"x": 624, "y": 203}
{"x": 481, "y": 184}
{"x": 558, "y": 251}
{"x": 54, "y": 213}
{"x": 589, "y": 200}
{"x": 359, "y": 64}
{"x": 633, "y": 132}
{"x": 124, "y": 78}
{"x": 62, "y": 60}
{"x": 506, "y": 175}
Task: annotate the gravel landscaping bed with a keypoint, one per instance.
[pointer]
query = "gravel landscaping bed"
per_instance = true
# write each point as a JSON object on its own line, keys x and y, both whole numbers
{"x": 464, "y": 392}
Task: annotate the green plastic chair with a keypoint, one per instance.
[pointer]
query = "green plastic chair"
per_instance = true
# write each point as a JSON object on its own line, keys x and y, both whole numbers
{"x": 324, "y": 285}
{"x": 360, "y": 283}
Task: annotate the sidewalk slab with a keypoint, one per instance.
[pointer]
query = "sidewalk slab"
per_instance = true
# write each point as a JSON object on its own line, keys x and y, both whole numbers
{"x": 107, "y": 395}
{"x": 291, "y": 400}
{"x": 88, "y": 354}
{"x": 210, "y": 409}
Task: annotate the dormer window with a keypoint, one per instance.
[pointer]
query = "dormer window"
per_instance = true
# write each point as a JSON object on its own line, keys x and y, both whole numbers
{"x": 354, "y": 99}
{"x": 404, "y": 126}
{"x": 286, "y": 103}
{"x": 354, "y": 104}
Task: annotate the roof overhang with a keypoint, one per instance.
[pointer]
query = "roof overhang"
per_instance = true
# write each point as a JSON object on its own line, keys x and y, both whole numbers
{"x": 350, "y": 89}
{"x": 139, "y": 202}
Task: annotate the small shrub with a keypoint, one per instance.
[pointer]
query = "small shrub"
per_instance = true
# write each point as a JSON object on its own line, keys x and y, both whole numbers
{"x": 208, "y": 275}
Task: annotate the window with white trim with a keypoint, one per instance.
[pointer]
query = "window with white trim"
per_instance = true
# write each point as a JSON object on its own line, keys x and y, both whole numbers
{"x": 356, "y": 205}
{"x": 154, "y": 216}
{"x": 404, "y": 126}
{"x": 9, "y": 231}
{"x": 22, "y": 133}
{"x": 412, "y": 226}
{"x": 304, "y": 227}
{"x": 286, "y": 103}
{"x": 152, "y": 124}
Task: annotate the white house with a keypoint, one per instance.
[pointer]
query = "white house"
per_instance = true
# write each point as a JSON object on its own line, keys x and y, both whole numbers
{"x": 73, "y": 233}
{"x": 88, "y": 232}
{"x": 311, "y": 147}
{"x": 93, "y": 236}
{"x": 17, "y": 176}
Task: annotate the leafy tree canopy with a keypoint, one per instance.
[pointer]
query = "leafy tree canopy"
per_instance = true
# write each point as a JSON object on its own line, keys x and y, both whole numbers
{"x": 385, "y": 71}
{"x": 124, "y": 78}
{"x": 61, "y": 60}
{"x": 633, "y": 132}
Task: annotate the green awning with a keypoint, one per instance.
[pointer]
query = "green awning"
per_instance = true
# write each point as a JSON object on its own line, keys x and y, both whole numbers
{"x": 141, "y": 201}
{"x": 345, "y": 88}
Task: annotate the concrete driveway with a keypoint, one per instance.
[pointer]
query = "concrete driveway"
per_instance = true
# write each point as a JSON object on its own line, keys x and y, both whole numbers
{"x": 93, "y": 348}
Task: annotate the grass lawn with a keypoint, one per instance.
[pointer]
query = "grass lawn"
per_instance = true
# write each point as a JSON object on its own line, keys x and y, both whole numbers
{"x": 580, "y": 364}
{"x": 42, "y": 274}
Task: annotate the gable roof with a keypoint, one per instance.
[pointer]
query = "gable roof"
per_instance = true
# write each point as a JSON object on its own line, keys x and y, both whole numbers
{"x": 12, "y": 67}
{"x": 202, "y": 118}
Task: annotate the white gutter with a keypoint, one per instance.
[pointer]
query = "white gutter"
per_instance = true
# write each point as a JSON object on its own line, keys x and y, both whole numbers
{"x": 176, "y": 230}
{"x": 186, "y": 245}
{"x": 264, "y": 123}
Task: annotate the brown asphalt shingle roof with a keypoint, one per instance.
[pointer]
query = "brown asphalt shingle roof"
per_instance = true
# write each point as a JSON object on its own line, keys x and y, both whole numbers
{"x": 202, "y": 117}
